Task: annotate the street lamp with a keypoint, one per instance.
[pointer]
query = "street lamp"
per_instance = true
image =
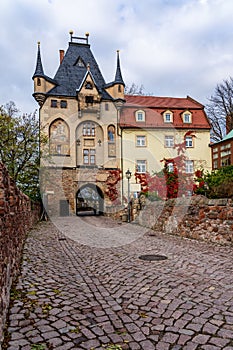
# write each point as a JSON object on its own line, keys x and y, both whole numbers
{"x": 128, "y": 175}
{"x": 206, "y": 187}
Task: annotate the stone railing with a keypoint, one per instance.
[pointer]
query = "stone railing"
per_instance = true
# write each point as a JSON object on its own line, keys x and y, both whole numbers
{"x": 197, "y": 217}
{"x": 17, "y": 215}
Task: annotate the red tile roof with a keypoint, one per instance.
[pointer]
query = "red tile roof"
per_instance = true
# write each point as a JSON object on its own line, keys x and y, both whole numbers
{"x": 162, "y": 102}
{"x": 154, "y": 108}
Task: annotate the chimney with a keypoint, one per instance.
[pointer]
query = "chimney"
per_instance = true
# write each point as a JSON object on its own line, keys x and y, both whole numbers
{"x": 61, "y": 55}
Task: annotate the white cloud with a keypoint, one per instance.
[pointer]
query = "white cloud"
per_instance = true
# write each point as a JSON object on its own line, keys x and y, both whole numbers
{"x": 173, "y": 48}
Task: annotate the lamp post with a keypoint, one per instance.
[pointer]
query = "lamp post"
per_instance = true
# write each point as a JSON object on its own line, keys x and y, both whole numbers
{"x": 206, "y": 187}
{"x": 128, "y": 177}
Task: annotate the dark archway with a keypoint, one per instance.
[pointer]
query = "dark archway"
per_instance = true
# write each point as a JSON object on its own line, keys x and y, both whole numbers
{"x": 89, "y": 200}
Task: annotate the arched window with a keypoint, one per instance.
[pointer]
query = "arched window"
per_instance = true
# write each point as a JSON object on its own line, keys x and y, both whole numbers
{"x": 38, "y": 82}
{"x": 111, "y": 133}
{"x": 111, "y": 141}
{"x": 59, "y": 138}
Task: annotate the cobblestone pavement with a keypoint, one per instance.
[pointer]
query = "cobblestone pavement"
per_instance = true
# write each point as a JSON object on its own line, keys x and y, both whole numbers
{"x": 74, "y": 296}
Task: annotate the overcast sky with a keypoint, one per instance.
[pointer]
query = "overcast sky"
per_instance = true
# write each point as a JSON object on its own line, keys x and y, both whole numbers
{"x": 171, "y": 47}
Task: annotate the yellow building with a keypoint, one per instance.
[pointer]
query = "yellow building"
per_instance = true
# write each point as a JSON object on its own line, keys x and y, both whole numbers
{"x": 95, "y": 132}
{"x": 154, "y": 128}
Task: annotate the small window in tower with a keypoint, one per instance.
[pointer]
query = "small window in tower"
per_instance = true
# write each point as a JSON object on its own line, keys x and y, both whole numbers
{"x": 63, "y": 104}
{"x": 106, "y": 107}
{"x": 54, "y": 103}
{"x": 38, "y": 82}
{"x": 88, "y": 86}
{"x": 119, "y": 88}
{"x": 79, "y": 62}
{"x": 89, "y": 100}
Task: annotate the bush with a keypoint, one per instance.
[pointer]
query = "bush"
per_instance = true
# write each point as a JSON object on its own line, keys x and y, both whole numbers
{"x": 215, "y": 184}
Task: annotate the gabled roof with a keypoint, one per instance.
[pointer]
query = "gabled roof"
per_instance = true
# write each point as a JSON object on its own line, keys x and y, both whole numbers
{"x": 70, "y": 74}
{"x": 154, "y": 107}
{"x": 84, "y": 79}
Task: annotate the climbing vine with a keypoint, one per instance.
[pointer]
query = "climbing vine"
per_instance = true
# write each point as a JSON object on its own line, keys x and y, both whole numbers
{"x": 172, "y": 181}
{"x": 114, "y": 176}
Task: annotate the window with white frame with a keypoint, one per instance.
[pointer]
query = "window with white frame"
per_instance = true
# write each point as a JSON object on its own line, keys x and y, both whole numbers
{"x": 89, "y": 129}
{"x": 140, "y": 141}
{"x": 89, "y": 156}
{"x": 141, "y": 166}
{"x": 189, "y": 169}
{"x": 140, "y": 116}
{"x": 170, "y": 167}
{"x": 187, "y": 117}
{"x": 188, "y": 141}
{"x": 169, "y": 141}
{"x": 168, "y": 117}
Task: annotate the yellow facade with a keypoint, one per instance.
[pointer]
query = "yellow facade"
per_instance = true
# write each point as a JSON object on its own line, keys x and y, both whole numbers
{"x": 155, "y": 150}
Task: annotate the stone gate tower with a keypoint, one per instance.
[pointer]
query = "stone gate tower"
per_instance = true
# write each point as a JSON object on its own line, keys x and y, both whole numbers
{"x": 79, "y": 113}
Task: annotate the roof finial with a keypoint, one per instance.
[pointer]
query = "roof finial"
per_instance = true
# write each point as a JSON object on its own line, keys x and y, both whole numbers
{"x": 71, "y": 32}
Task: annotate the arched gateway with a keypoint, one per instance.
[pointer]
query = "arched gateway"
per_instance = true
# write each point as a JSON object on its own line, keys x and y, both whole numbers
{"x": 89, "y": 199}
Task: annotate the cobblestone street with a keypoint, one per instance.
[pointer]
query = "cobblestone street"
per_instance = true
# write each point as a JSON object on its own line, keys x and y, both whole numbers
{"x": 76, "y": 295}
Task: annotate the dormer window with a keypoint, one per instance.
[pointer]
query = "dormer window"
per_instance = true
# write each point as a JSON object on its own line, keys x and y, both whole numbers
{"x": 140, "y": 116}
{"x": 79, "y": 62}
{"x": 187, "y": 117}
{"x": 168, "y": 117}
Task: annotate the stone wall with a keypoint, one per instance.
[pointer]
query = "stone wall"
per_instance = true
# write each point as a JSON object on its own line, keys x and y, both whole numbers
{"x": 63, "y": 184}
{"x": 17, "y": 215}
{"x": 197, "y": 217}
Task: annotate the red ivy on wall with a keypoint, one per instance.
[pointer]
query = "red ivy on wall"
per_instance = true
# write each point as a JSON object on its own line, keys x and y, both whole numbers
{"x": 113, "y": 178}
{"x": 169, "y": 184}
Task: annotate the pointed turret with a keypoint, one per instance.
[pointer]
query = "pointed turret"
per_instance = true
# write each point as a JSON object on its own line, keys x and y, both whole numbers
{"x": 39, "y": 72}
{"x": 116, "y": 88}
{"x": 118, "y": 76}
{"x": 42, "y": 83}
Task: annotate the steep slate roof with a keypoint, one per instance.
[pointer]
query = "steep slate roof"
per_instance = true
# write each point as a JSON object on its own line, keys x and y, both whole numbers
{"x": 154, "y": 108}
{"x": 39, "y": 71}
{"x": 70, "y": 75}
{"x": 118, "y": 76}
